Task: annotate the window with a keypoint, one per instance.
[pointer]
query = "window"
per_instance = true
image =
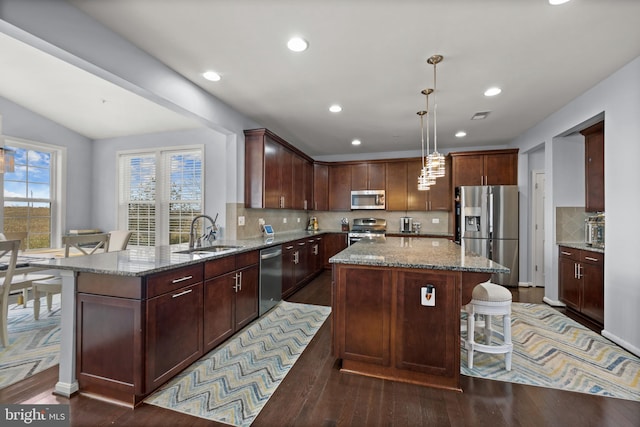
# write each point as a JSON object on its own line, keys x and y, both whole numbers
{"x": 29, "y": 193}
{"x": 159, "y": 194}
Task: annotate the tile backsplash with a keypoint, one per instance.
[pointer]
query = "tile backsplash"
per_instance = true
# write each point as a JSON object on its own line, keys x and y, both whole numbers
{"x": 436, "y": 222}
{"x": 570, "y": 224}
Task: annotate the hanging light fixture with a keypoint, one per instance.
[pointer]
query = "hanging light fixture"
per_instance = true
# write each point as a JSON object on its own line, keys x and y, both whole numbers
{"x": 436, "y": 159}
{"x": 7, "y": 160}
{"x": 423, "y": 179}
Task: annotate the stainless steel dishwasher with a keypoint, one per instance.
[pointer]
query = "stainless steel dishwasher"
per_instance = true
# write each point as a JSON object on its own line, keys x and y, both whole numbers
{"x": 270, "y": 278}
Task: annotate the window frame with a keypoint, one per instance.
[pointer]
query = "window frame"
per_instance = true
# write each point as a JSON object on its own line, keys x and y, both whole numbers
{"x": 57, "y": 195}
{"x": 162, "y": 192}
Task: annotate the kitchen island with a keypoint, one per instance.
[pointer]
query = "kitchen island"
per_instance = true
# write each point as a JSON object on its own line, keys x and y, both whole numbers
{"x": 396, "y": 308}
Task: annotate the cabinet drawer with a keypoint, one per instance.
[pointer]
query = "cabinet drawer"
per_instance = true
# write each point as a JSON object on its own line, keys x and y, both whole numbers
{"x": 569, "y": 253}
{"x": 247, "y": 258}
{"x": 218, "y": 267}
{"x": 158, "y": 284}
{"x": 595, "y": 258}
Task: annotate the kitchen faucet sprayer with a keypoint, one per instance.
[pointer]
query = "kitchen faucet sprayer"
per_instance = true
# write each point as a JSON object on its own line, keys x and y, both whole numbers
{"x": 209, "y": 235}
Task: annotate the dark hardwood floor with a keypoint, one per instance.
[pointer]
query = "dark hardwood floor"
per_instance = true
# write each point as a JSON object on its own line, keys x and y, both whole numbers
{"x": 315, "y": 393}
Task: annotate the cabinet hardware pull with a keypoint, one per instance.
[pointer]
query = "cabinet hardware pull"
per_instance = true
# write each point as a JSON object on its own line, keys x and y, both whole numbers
{"x": 188, "y": 291}
{"x": 289, "y": 247}
{"x": 591, "y": 259}
{"x": 579, "y": 271}
{"x": 565, "y": 253}
{"x": 182, "y": 279}
{"x": 301, "y": 243}
{"x": 575, "y": 270}
{"x": 240, "y": 281}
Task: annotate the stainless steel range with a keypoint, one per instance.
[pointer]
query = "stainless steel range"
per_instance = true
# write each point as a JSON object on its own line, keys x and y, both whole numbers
{"x": 368, "y": 229}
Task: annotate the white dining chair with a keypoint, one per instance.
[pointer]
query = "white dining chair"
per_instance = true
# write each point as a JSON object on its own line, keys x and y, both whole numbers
{"x": 119, "y": 239}
{"x": 12, "y": 281}
{"x": 83, "y": 244}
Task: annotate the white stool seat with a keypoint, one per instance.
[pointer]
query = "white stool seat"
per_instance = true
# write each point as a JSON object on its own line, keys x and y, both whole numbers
{"x": 489, "y": 299}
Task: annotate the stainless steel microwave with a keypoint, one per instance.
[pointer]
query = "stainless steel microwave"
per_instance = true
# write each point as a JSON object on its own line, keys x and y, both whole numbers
{"x": 367, "y": 199}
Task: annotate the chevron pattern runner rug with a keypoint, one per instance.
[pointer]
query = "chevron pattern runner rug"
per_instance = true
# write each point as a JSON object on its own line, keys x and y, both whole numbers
{"x": 551, "y": 350}
{"x": 232, "y": 383}
{"x": 34, "y": 345}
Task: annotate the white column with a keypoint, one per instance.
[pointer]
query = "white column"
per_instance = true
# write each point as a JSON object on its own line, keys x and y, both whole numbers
{"x": 67, "y": 383}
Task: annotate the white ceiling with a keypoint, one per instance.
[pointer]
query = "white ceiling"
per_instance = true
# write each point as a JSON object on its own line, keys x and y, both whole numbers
{"x": 370, "y": 57}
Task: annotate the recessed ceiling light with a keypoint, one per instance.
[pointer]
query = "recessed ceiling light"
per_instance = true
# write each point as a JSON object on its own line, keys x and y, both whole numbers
{"x": 211, "y": 76}
{"x": 356, "y": 142}
{"x": 492, "y": 91}
{"x": 461, "y": 134}
{"x": 297, "y": 44}
{"x": 557, "y": 2}
{"x": 335, "y": 108}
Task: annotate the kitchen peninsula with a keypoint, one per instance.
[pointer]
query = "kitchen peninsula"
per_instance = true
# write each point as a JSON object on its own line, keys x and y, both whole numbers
{"x": 396, "y": 308}
{"x": 133, "y": 319}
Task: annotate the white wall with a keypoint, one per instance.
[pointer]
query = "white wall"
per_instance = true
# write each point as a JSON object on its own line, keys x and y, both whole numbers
{"x": 616, "y": 96}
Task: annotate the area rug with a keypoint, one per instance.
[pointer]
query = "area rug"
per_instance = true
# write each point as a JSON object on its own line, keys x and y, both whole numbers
{"x": 551, "y": 350}
{"x": 232, "y": 383}
{"x": 34, "y": 345}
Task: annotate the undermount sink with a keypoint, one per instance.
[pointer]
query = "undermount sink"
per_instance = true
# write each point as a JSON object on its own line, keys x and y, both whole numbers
{"x": 209, "y": 250}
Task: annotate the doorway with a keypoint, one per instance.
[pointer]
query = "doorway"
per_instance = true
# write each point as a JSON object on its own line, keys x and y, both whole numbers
{"x": 537, "y": 232}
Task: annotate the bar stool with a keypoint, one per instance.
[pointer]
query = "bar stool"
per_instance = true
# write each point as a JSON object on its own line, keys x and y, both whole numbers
{"x": 489, "y": 300}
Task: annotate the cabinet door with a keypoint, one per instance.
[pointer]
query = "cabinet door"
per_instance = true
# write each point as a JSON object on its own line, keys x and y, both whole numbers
{"x": 501, "y": 169}
{"x": 396, "y": 186}
{"x": 320, "y": 187}
{"x": 427, "y": 336}
{"x": 340, "y": 187}
{"x": 272, "y": 178}
{"x": 298, "y": 199}
{"x": 286, "y": 158}
{"x": 593, "y": 285}
{"x": 416, "y": 199}
{"x": 376, "y": 176}
{"x": 246, "y": 296}
{"x": 359, "y": 178}
{"x": 288, "y": 269}
{"x": 363, "y": 314}
{"x": 594, "y": 168}
{"x": 570, "y": 286}
{"x": 219, "y": 320}
{"x": 308, "y": 185}
{"x": 302, "y": 267}
{"x": 174, "y": 333}
{"x": 440, "y": 197}
{"x": 468, "y": 170}
{"x": 333, "y": 243}
{"x": 317, "y": 254}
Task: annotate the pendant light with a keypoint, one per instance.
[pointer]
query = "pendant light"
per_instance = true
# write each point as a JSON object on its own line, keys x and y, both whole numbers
{"x": 436, "y": 159}
{"x": 423, "y": 179}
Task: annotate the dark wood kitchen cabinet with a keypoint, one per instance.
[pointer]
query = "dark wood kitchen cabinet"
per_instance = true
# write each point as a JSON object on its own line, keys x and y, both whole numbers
{"x": 581, "y": 282}
{"x": 301, "y": 262}
{"x": 368, "y": 176}
{"x": 340, "y": 187}
{"x": 277, "y": 175}
{"x": 134, "y": 333}
{"x": 594, "y": 167}
{"x": 320, "y": 187}
{"x": 333, "y": 243}
{"x": 495, "y": 167}
{"x": 396, "y": 185}
{"x": 437, "y": 198}
{"x": 230, "y": 296}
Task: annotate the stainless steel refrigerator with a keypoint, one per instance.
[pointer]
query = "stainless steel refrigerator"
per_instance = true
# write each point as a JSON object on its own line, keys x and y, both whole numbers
{"x": 487, "y": 224}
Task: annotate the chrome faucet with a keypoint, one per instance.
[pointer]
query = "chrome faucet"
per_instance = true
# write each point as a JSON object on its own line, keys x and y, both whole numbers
{"x": 194, "y": 241}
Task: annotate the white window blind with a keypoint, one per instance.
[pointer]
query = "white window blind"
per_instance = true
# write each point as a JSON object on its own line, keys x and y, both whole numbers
{"x": 160, "y": 192}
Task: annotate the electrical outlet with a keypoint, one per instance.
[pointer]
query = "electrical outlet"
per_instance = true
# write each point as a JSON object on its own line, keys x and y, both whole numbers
{"x": 284, "y": 220}
{"x": 240, "y": 220}
{"x": 298, "y": 220}
{"x": 435, "y": 220}
{"x": 261, "y": 221}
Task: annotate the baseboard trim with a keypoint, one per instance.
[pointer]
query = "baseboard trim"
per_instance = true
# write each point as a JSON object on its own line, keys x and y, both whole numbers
{"x": 622, "y": 343}
{"x": 66, "y": 389}
{"x": 553, "y": 303}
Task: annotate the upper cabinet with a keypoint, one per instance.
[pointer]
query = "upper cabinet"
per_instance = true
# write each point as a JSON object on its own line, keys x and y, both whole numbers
{"x": 368, "y": 176}
{"x": 594, "y": 167}
{"x": 402, "y": 187}
{"x": 495, "y": 167}
{"x": 339, "y": 187}
{"x": 277, "y": 175}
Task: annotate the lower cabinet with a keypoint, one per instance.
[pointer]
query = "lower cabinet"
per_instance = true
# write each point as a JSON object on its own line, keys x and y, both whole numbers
{"x": 230, "y": 296}
{"x": 301, "y": 262}
{"x": 581, "y": 282}
{"x": 382, "y": 329}
{"x": 332, "y": 244}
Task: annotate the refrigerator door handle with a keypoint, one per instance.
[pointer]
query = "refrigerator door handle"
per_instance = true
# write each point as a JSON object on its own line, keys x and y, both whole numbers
{"x": 490, "y": 215}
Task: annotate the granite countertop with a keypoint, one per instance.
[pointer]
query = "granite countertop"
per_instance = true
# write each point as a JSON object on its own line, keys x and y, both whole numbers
{"x": 141, "y": 261}
{"x": 581, "y": 245}
{"x": 420, "y": 252}
{"x": 420, "y": 234}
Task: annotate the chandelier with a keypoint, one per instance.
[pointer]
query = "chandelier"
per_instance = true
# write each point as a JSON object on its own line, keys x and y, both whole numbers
{"x": 433, "y": 164}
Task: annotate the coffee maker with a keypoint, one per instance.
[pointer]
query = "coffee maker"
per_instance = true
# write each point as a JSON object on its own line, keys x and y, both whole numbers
{"x": 406, "y": 224}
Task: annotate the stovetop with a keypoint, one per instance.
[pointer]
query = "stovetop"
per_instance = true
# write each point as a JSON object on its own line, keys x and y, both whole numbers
{"x": 369, "y": 225}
